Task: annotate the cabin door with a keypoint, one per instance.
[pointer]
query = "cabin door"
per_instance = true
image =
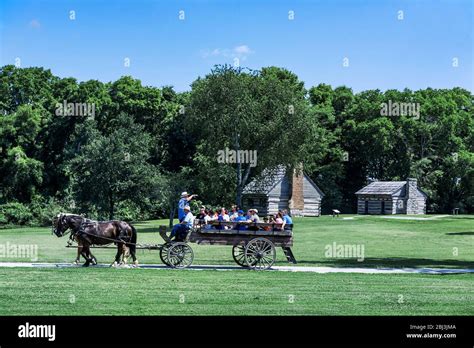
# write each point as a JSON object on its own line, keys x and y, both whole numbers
{"x": 382, "y": 207}
{"x": 366, "y": 207}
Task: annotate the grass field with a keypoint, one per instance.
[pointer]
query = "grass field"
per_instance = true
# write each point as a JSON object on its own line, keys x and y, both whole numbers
{"x": 441, "y": 242}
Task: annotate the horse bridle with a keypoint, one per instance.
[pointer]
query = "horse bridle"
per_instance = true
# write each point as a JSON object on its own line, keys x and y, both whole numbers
{"x": 61, "y": 221}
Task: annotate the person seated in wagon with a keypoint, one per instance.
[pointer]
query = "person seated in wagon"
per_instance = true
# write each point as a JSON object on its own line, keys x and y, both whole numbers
{"x": 278, "y": 220}
{"x": 239, "y": 219}
{"x": 234, "y": 213}
{"x": 180, "y": 231}
{"x": 287, "y": 221}
{"x": 223, "y": 217}
{"x": 201, "y": 216}
{"x": 253, "y": 218}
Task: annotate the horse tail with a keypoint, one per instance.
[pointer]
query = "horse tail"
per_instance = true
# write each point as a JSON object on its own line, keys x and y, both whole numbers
{"x": 133, "y": 240}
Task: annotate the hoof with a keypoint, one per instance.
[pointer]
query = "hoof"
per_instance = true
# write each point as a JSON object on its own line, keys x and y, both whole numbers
{"x": 85, "y": 265}
{"x": 115, "y": 264}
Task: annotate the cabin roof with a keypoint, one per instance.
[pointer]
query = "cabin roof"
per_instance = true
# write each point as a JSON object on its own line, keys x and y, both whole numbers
{"x": 316, "y": 187}
{"x": 269, "y": 179}
{"x": 265, "y": 182}
{"x": 381, "y": 188}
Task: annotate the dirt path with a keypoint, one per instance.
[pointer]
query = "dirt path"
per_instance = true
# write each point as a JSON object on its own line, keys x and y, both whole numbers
{"x": 274, "y": 268}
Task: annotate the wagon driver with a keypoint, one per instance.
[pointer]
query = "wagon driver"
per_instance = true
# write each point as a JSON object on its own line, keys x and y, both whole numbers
{"x": 180, "y": 231}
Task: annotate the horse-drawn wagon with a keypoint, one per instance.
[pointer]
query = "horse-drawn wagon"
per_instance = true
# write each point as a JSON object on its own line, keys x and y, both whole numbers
{"x": 253, "y": 244}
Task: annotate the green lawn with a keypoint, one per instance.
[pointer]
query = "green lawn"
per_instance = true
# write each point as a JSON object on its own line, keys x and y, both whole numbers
{"x": 387, "y": 243}
{"x": 168, "y": 292}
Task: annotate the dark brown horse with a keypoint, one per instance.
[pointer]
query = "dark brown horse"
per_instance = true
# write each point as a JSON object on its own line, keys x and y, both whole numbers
{"x": 89, "y": 232}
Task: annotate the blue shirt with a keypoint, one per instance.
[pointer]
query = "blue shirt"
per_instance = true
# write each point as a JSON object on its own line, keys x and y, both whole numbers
{"x": 181, "y": 204}
{"x": 287, "y": 219}
{"x": 241, "y": 218}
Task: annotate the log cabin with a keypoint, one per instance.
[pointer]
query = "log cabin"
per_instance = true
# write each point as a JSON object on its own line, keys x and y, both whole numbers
{"x": 277, "y": 189}
{"x": 391, "y": 197}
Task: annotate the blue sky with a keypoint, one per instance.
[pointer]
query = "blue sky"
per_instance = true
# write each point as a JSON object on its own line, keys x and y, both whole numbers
{"x": 383, "y": 51}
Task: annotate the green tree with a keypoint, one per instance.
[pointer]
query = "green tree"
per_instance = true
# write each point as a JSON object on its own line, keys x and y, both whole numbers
{"x": 113, "y": 168}
{"x": 237, "y": 109}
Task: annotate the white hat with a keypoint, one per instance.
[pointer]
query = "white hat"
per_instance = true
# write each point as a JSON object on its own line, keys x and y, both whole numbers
{"x": 256, "y": 211}
{"x": 187, "y": 207}
{"x": 183, "y": 194}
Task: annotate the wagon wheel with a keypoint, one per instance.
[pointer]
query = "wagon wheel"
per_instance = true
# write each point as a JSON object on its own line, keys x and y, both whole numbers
{"x": 260, "y": 253}
{"x": 238, "y": 253}
{"x": 180, "y": 255}
{"x": 164, "y": 254}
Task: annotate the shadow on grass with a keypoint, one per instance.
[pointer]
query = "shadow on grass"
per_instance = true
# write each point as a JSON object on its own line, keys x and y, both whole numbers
{"x": 460, "y": 233}
{"x": 393, "y": 262}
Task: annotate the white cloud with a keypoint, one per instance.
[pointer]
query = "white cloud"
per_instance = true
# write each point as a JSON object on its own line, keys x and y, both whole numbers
{"x": 243, "y": 49}
{"x": 241, "y": 52}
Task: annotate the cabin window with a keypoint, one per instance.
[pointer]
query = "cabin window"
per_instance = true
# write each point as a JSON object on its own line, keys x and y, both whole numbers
{"x": 250, "y": 202}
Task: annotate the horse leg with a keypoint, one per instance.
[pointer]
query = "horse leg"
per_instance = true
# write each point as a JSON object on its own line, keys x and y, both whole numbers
{"x": 126, "y": 254}
{"x": 117, "y": 256}
{"x": 91, "y": 257}
{"x": 79, "y": 252}
{"x": 85, "y": 253}
{"x": 78, "y": 256}
{"x": 134, "y": 257}
{"x": 94, "y": 260}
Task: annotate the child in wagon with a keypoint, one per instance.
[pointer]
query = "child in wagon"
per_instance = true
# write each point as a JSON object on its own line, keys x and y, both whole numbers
{"x": 240, "y": 219}
{"x": 278, "y": 222}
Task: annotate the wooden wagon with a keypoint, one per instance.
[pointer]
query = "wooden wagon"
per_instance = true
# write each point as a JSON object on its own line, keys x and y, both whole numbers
{"x": 253, "y": 244}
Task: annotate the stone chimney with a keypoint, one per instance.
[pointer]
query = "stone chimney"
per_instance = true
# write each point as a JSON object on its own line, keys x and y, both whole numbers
{"x": 411, "y": 194}
{"x": 297, "y": 192}
{"x": 412, "y": 187}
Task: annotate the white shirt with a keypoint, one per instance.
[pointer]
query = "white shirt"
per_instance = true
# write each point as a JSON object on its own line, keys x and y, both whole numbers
{"x": 189, "y": 219}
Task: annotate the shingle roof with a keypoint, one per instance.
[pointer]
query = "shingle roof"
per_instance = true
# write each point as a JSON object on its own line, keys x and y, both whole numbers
{"x": 266, "y": 181}
{"x": 381, "y": 188}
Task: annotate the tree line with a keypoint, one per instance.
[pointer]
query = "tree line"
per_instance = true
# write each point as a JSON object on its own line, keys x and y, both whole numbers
{"x": 125, "y": 150}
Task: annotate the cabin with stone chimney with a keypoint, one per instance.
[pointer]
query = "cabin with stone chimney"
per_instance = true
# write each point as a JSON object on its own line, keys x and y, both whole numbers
{"x": 276, "y": 189}
{"x": 391, "y": 197}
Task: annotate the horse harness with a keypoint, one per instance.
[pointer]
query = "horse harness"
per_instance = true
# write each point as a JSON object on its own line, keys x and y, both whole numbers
{"x": 88, "y": 223}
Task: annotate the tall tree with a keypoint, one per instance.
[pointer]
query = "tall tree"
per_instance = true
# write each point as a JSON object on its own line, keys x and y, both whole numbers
{"x": 263, "y": 112}
{"x": 113, "y": 168}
